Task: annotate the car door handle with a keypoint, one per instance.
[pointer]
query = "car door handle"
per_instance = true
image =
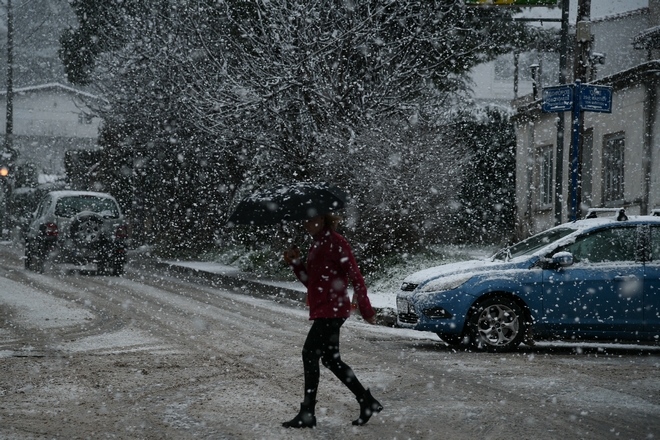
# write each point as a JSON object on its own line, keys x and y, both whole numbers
{"x": 625, "y": 278}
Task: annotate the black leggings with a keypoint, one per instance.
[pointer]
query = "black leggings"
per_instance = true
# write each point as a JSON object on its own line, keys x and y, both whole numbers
{"x": 323, "y": 343}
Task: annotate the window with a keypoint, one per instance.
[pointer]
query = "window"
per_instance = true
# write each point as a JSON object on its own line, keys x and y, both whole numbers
{"x": 533, "y": 243}
{"x": 546, "y": 191}
{"x": 70, "y": 206}
{"x": 613, "y": 154}
{"x": 614, "y": 244}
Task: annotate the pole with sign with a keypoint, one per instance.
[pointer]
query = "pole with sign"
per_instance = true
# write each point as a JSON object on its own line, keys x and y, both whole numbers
{"x": 575, "y": 157}
{"x": 577, "y": 98}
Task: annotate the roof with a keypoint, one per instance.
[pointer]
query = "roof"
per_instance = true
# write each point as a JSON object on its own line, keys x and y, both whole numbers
{"x": 647, "y": 39}
{"x": 619, "y": 80}
{"x": 54, "y": 86}
{"x": 610, "y": 220}
{"x": 70, "y": 193}
{"x": 621, "y": 15}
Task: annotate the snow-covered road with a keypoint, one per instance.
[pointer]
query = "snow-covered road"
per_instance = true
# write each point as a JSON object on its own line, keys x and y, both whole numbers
{"x": 152, "y": 356}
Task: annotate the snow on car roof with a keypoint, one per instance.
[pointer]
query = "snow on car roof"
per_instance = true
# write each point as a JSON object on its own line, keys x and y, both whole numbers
{"x": 23, "y": 190}
{"x": 70, "y": 193}
{"x": 578, "y": 227}
{"x": 584, "y": 225}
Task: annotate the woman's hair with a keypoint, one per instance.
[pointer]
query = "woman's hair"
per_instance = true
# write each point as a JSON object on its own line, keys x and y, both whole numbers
{"x": 331, "y": 221}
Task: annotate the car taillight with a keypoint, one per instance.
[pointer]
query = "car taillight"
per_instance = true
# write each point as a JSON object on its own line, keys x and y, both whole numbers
{"x": 51, "y": 229}
{"x": 121, "y": 232}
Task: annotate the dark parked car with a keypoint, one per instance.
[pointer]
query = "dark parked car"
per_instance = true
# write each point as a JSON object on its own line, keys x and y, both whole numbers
{"x": 23, "y": 202}
{"x": 596, "y": 279}
{"x": 21, "y": 206}
{"x": 77, "y": 227}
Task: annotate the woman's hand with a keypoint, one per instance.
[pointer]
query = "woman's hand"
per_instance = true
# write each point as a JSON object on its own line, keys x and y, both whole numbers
{"x": 292, "y": 254}
{"x": 371, "y": 320}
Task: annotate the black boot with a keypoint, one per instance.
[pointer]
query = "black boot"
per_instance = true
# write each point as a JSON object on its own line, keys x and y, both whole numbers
{"x": 368, "y": 407}
{"x": 304, "y": 419}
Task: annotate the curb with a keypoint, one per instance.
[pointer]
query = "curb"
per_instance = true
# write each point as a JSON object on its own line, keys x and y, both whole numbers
{"x": 261, "y": 287}
{"x": 238, "y": 281}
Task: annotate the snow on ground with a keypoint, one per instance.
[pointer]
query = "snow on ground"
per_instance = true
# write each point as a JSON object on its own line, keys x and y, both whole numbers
{"x": 378, "y": 300}
{"x": 42, "y": 311}
{"x": 35, "y": 309}
{"x": 128, "y": 339}
{"x": 207, "y": 267}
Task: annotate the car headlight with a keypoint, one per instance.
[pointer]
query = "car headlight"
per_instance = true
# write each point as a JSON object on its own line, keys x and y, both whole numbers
{"x": 408, "y": 287}
{"x": 404, "y": 306}
{"x": 446, "y": 283}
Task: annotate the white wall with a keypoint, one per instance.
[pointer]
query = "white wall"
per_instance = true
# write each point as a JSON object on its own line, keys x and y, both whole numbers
{"x": 49, "y": 113}
{"x": 614, "y": 38}
{"x": 628, "y": 117}
{"x": 47, "y": 124}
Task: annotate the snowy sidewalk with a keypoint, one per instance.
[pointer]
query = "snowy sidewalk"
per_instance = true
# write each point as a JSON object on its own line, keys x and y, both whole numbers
{"x": 383, "y": 303}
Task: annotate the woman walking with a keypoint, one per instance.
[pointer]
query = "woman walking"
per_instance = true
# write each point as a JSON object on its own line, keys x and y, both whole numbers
{"x": 330, "y": 264}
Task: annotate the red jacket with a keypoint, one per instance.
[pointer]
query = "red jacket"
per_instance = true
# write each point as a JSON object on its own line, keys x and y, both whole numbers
{"x": 330, "y": 264}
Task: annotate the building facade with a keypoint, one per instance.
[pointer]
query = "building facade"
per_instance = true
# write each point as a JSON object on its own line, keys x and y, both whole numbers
{"x": 49, "y": 120}
{"x": 619, "y": 151}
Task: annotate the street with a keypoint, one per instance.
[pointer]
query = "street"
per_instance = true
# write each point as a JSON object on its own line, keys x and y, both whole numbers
{"x": 151, "y": 356}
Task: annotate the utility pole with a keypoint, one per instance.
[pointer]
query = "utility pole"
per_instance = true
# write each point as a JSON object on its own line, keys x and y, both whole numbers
{"x": 581, "y": 68}
{"x": 9, "y": 132}
{"x": 563, "y": 68}
{"x": 6, "y": 155}
{"x": 583, "y": 41}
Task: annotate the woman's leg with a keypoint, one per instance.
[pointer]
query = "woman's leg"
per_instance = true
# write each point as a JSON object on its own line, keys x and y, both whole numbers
{"x": 327, "y": 349}
{"x": 311, "y": 354}
{"x": 332, "y": 360}
{"x": 322, "y": 343}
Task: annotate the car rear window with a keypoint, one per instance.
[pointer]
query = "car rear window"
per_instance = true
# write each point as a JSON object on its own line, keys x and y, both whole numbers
{"x": 70, "y": 206}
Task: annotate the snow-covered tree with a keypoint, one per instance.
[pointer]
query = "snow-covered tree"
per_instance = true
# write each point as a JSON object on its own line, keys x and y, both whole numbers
{"x": 253, "y": 93}
{"x": 485, "y": 207}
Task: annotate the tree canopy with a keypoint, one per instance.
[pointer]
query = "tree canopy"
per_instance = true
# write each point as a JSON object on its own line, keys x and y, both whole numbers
{"x": 210, "y": 99}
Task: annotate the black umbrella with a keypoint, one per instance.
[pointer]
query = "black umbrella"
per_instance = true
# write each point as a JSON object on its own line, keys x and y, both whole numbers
{"x": 297, "y": 201}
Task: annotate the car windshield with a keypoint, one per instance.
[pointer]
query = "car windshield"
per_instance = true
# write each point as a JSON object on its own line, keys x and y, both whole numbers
{"x": 70, "y": 206}
{"x": 532, "y": 244}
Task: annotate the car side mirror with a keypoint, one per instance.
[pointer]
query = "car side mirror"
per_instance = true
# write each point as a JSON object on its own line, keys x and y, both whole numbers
{"x": 562, "y": 259}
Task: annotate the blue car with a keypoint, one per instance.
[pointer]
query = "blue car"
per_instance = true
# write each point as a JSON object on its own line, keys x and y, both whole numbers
{"x": 593, "y": 279}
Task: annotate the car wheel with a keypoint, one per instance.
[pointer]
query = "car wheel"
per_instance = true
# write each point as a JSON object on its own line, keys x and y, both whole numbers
{"x": 496, "y": 325}
{"x": 87, "y": 230}
{"x": 37, "y": 260}
{"x": 28, "y": 256}
{"x": 34, "y": 257}
{"x": 119, "y": 269}
{"x": 101, "y": 267}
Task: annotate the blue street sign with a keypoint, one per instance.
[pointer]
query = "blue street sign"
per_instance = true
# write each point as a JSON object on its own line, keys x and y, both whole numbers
{"x": 596, "y": 98}
{"x": 557, "y": 99}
